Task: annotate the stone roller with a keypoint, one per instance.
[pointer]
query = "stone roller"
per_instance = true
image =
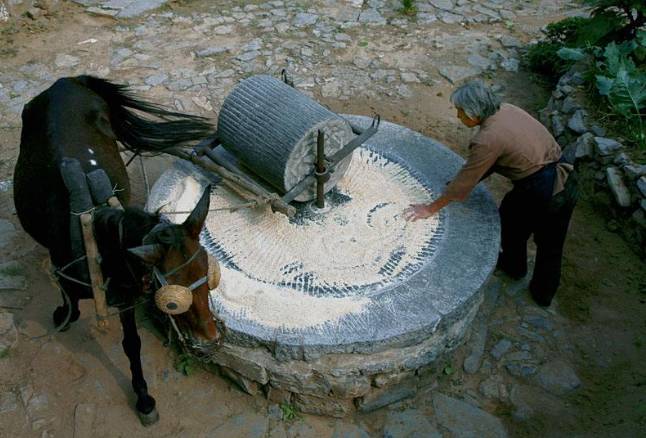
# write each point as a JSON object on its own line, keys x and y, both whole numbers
{"x": 272, "y": 130}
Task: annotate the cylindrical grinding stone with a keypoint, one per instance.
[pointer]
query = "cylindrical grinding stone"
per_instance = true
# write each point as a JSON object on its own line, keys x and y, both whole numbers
{"x": 272, "y": 129}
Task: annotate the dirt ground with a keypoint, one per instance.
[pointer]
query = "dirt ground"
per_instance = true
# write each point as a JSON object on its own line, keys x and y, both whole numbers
{"x": 602, "y": 302}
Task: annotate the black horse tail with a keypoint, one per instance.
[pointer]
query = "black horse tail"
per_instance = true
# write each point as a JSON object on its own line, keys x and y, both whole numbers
{"x": 140, "y": 134}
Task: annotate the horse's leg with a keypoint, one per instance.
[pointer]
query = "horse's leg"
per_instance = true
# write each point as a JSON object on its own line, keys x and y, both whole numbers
{"x": 132, "y": 347}
{"x": 70, "y": 306}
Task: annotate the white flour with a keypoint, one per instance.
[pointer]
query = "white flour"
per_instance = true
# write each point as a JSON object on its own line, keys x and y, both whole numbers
{"x": 364, "y": 241}
{"x": 276, "y": 306}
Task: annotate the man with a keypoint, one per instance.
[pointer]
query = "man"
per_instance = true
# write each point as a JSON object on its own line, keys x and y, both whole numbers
{"x": 517, "y": 146}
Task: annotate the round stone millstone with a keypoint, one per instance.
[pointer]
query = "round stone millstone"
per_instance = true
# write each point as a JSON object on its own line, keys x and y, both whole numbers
{"x": 347, "y": 296}
{"x": 272, "y": 128}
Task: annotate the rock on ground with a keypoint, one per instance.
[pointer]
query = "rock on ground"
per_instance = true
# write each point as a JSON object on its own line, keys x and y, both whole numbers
{"x": 464, "y": 420}
{"x": 558, "y": 377}
{"x": 409, "y": 423}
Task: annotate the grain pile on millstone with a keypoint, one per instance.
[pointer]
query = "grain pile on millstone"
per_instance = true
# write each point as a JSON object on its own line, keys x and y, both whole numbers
{"x": 324, "y": 307}
{"x": 272, "y": 130}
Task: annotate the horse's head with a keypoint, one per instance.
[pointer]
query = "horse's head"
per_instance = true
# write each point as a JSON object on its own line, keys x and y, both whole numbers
{"x": 184, "y": 272}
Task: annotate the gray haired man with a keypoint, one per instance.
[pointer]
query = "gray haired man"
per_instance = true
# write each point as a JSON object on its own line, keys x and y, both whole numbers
{"x": 514, "y": 144}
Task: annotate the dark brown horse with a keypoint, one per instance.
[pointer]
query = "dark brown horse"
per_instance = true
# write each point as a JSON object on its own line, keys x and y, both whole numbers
{"x": 82, "y": 118}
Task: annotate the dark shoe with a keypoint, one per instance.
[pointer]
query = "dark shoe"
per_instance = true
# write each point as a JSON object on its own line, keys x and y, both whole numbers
{"x": 513, "y": 274}
{"x": 540, "y": 298}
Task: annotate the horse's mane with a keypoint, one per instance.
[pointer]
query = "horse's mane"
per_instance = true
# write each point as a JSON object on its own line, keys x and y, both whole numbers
{"x": 140, "y": 134}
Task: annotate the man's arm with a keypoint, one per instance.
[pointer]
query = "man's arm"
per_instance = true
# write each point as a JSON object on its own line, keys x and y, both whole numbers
{"x": 481, "y": 158}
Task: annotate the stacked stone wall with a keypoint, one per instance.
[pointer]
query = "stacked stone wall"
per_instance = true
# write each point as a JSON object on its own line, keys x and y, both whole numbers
{"x": 607, "y": 171}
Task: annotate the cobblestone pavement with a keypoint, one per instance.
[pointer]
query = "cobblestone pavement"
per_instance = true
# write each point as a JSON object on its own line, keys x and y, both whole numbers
{"x": 521, "y": 367}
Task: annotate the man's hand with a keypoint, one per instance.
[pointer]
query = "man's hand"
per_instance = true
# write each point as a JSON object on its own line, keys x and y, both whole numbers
{"x": 422, "y": 211}
{"x": 419, "y": 211}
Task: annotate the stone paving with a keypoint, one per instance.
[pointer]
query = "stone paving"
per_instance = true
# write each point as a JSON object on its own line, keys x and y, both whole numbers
{"x": 517, "y": 356}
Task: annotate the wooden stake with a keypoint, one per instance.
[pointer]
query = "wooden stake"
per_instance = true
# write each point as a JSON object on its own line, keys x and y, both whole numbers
{"x": 96, "y": 276}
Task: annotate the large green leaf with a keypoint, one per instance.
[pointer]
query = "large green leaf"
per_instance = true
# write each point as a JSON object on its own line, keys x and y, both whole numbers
{"x": 617, "y": 59}
{"x": 628, "y": 93}
{"x": 604, "y": 85}
{"x": 598, "y": 28}
{"x": 570, "y": 54}
{"x": 641, "y": 38}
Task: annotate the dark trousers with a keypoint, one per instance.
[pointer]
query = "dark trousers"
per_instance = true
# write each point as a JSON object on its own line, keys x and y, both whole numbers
{"x": 530, "y": 209}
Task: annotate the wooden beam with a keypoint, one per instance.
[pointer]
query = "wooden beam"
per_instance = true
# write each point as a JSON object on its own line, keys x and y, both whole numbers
{"x": 96, "y": 276}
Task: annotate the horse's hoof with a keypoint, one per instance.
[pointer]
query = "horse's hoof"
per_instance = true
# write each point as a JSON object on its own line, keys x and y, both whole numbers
{"x": 148, "y": 419}
{"x": 59, "y": 316}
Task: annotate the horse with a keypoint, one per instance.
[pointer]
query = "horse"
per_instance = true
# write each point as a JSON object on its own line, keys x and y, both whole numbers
{"x": 82, "y": 118}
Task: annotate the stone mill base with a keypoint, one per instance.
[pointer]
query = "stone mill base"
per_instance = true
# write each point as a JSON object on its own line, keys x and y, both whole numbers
{"x": 339, "y": 384}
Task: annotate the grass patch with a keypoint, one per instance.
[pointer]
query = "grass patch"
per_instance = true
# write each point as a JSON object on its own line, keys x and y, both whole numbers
{"x": 408, "y": 7}
{"x": 186, "y": 364}
{"x": 290, "y": 413}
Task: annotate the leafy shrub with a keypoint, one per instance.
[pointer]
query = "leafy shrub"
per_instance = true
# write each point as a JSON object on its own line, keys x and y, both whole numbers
{"x": 611, "y": 43}
{"x": 542, "y": 57}
{"x": 616, "y": 20}
{"x": 408, "y": 7}
{"x": 623, "y": 84}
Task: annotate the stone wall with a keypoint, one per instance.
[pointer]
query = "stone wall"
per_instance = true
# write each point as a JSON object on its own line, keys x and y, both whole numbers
{"x": 616, "y": 182}
{"x": 339, "y": 384}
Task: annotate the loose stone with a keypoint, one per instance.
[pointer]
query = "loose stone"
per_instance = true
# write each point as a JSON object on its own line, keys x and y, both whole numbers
{"x": 409, "y": 423}
{"x": 577, "y": 122}
{"x": 66, "y": 61}
{"x": 345, "y": 430}
{"x": 477, "y": 346}
{"x": 447, "y": 5}
{"x": 455, "y": 73}
{"x": 606, "y": 146}
{"x": 303, "y": 19}
{"x": 520, "y": 369}
{"x": 8, "y": 333}
{"x": 501, "y": 348}
{"x": 211, "y": 51}
{"x": 510, "y": 64}
{"x": 462, "y": 419}
{"x": 371, "y": 16}
{"x": 585, "y": 146}
{"x": 558, "y": 377}
{"x": 84, "y": 416}
{"x": 641, "y": 185}
{"x": 156, "y": 79}
{"x": 510, "y": 41}
{"x": 569, "y": 105}
{"x": 617, "y": 187}
{"x": 8, "y": 402}
{"x": 557, "y": 125}
{"x": 634, "y": 171}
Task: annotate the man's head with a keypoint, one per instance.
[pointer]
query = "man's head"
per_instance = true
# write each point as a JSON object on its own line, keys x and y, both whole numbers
{"x": 475, "y": 103}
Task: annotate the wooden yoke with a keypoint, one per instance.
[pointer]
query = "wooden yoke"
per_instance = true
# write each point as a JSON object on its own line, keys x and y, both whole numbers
{"x": 94, "y": 267}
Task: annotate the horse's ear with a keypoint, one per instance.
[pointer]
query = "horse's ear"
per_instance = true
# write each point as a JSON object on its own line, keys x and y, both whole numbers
{"x": 149, "y": 254}
{"x": 194, "y": 223}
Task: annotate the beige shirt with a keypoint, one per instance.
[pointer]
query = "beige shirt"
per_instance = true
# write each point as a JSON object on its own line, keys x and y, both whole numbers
{"x": 513, "y": 144}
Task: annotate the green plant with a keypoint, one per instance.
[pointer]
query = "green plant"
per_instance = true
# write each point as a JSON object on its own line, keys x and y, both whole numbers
{"x": 448, "y": 369}
{"x": 542, "y": 58}
{"x": 289, "y": 411}
{"x": 616, "y": 20}
{"x": 186, "y": 364}
{"x": 408, "y": 7}
{"x": 623, "y": 84}
{"x": 566, "y": 31}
